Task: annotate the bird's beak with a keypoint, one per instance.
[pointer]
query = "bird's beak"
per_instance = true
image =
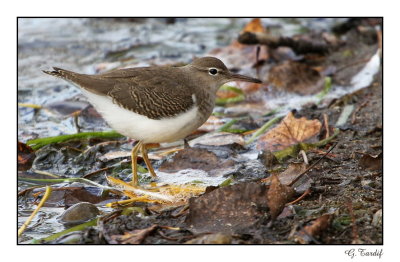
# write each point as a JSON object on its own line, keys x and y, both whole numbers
{"x": 237, "y": 77}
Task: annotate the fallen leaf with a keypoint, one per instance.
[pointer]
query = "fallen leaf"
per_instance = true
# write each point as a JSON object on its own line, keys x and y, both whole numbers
{"x": 114, "y": 155}
{"x": 296, "y": 77}
{"x": 289, "y": 132}
{"x": 148, "y": 194}
{"x": 311, "y": 232}
{"x": 133, "y": 237}
{"x": 291, "y": 173}
{"x": 371, "y": 162}
{"x": 154, "y": 155}
{"x": 26, "y": 155}
{"x": 68, "y": 196}
{"x": 218, "y": 139}
{"x": 278, "y": 195}
{"x": 254, "y": 26}
{"x": 227, "y": 208}
{"x": 288, "y": 211}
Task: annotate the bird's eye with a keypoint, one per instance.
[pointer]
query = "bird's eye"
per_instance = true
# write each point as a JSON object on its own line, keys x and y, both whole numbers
{"x": 213, "y": 71}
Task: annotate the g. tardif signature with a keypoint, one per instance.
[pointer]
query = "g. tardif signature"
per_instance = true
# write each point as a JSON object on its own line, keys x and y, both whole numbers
{"x": 363, "y": 252}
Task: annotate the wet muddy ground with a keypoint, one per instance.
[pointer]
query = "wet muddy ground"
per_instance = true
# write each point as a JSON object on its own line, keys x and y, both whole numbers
{"x": 340, "y": 197}
{"x": 344, "y": 185}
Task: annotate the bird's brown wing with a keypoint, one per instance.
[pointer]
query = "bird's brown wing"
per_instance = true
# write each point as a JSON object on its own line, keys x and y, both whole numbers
{"x": 146, "y": 91}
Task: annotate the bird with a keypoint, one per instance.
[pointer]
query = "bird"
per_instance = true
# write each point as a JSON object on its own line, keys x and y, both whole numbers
{"x": 154, "y": 104}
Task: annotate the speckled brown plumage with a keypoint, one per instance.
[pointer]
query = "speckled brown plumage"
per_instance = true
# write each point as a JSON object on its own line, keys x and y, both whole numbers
{"x": 150, "y": 91}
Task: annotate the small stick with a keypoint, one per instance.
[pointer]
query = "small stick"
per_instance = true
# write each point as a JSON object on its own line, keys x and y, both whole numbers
{"x": 305, "y": 159}
{"x": 258, "y": 60}
{"x": 320, "y": 152}
{"x": 379, "y": 37}
{"x": 96, "y": 172}
{"x": 75, "y": 116}
{"x": 44, "y": 199}
{"x": 326, "y": 125}
{"x": 34, "y": 106}
{"x": 307, "y": 192}
{"x": 312, "y": 166}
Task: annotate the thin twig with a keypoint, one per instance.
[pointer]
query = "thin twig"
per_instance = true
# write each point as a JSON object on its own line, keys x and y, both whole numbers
{"x": 326, "y": 122}
{"x": 75, "y": 116}
{"x": 307, "y": 192}
{"x": 305, "y": 159}
{"x": 379, "y": 37}
{"x": 34, "y": 106}
{"x": 312, "y": 166}
{"x": 96, "y": 172}
{"x": 44, "y": 199}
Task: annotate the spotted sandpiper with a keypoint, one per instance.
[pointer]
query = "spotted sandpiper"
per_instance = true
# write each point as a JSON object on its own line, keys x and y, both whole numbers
{"x": 155, "y": 104}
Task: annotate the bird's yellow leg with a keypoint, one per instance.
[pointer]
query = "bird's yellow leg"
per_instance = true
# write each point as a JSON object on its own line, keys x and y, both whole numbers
{"x": 134, "y": 153}
{"x": 147, "y": 161}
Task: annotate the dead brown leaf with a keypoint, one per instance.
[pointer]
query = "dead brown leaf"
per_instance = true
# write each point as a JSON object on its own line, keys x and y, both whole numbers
{"x": 289, "y": 132}
{"x": 311, "y": 232}
{"x": 133, "y": 237}
{"x": 218, "y": 139}
{"x": 371, "y": 162}
{"x": 227, "y": 208}
{"x": 26, "y": 156}
{"x": 296, "y": 77}
{"x": 278, "y": 195}
{"x": 254, "y": 26}
{"x": 290, "y": 174}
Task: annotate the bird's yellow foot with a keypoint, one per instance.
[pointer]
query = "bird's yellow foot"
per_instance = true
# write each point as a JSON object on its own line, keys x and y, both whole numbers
{"x": 135, "y": 150}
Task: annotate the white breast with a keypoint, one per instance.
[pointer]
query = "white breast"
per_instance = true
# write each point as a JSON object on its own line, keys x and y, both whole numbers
{"x": 140, "y": 127}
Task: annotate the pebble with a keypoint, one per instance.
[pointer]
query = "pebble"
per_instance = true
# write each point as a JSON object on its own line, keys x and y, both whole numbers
{"x": 78, "y": 214}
